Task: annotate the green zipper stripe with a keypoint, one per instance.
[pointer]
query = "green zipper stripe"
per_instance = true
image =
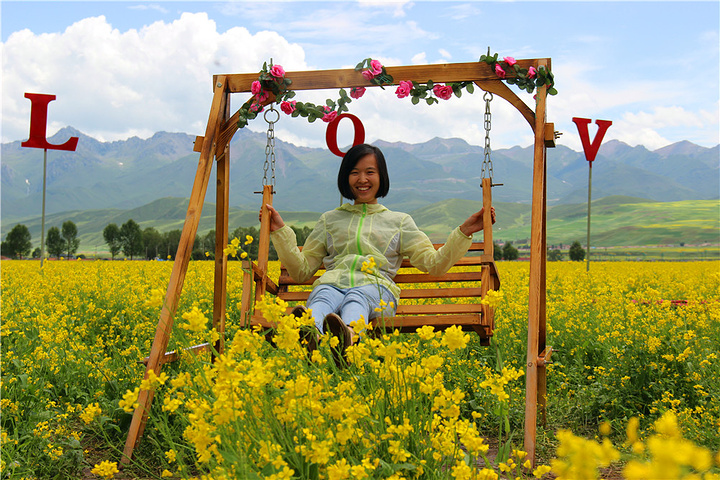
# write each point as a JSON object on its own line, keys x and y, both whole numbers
{"x": 360, "y": 224}
{"x": 357, "y": 242}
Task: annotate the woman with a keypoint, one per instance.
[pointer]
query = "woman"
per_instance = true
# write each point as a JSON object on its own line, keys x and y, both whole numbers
{"x": 363, "y": 233}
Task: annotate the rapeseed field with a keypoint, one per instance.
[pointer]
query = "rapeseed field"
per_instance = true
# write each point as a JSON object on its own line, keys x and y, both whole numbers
{"x": 634, "y": 389}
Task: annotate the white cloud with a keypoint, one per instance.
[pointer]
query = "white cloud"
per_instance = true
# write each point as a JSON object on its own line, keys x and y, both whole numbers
{"x": 462, "y": 11}
{"x": 419, "y": 59}
{"x": 112, "y": 84}
{"x": 154, "y": 6}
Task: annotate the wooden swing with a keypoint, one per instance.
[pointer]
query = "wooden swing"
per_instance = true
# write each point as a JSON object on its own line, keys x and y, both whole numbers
{"x": 452, "y": 305}
{"x": 215, "y": 145}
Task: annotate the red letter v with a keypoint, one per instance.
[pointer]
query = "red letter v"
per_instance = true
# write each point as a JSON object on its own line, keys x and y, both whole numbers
{"x": 582, "y": 126}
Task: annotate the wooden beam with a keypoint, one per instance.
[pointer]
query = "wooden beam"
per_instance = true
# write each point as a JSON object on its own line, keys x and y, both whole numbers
{"x": 182, "y": 258}
{"x": 502, "y": 90}
{"x": 264, "y": 241}
{"x": 536, "y": 293}
{"x": 348, "y": 77}
{"x": 222, "y": 206}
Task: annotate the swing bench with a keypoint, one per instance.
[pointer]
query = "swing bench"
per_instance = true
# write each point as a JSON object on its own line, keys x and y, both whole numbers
{"x": 456, "y": 302}
{"x": 461, "y": 303}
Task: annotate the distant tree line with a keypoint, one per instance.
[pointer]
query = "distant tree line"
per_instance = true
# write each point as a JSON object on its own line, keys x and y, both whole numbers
{"x": 149, "y": 243}
{"x": 59, "y": 241}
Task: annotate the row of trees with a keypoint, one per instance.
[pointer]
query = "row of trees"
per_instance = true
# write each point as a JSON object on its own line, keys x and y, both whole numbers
{"x": 133, "y": 241}
{"x": 509, "y": 252}
{"x": 18, "y": 242}
{"x": 149, "y": 243}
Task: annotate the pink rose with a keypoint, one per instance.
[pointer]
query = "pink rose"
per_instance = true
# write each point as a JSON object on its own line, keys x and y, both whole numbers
{"x": 375, "y": 67}
{"x": 277, "y": 71}
{"x": 255, "y": 87}
{"x": 288, "y": 107}
{"x": 256, "y": 107}
{"x": 368, "y": 75}
{"x": 510, "y": 61}
{"x": 262, "y": 97}
{"x": 330, "y": 116}
{"x": 357, "y": 92}
{"x": 443, "y": 91}
{"x": 403, "y": 89}
{"x": 532, "y": 72}
{"x": 499, "y": 71}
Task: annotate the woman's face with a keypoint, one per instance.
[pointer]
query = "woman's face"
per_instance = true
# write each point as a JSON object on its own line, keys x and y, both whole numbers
{"x": 364, "y": 180}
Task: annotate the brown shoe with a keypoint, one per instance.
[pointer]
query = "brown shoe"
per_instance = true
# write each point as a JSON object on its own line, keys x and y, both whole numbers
{"x": 337, "y": 328}
{"x": 308, "y": 335}
{"x": 298, "y": 311}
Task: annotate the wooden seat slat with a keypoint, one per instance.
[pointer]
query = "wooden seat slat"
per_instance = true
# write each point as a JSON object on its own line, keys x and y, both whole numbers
{"x": 294, "y": 296}
{"x": 403, "y": 278}
{"x": 463, "y": 262}
{"x": 438, "y": 308}
{"x": 410, "y": 322}
{"x": 448, "y": 277}
{"x": 440, "y": 292}
{"x": 405, "y": 293}
{"x": 417, "y": 321}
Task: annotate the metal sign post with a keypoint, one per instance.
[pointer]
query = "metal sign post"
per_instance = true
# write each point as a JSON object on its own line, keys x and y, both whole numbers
{"x": 590, "y": 150}
{"x": 38, "y": 139}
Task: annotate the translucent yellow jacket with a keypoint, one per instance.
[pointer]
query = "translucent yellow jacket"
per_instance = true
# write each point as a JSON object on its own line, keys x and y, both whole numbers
{"x": 344, "y": 238}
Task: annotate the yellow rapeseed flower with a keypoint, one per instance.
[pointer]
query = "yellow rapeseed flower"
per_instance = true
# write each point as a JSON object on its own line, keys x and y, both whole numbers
{"x": 105, "y": 469}
{"x": 196, "y": 321}
{"x": 90, "y": 412}
{"x": 454, "y": 338}
{"x": 129, "y": 400}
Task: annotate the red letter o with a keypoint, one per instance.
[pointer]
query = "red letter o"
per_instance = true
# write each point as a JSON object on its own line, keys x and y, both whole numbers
{"x": 331, "y": 134}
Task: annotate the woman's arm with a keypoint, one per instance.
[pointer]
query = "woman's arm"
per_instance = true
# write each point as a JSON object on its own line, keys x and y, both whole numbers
{"x": 474, "y": 222}
{"x": 423, "y": 256}
{"x": 301, "y": 265}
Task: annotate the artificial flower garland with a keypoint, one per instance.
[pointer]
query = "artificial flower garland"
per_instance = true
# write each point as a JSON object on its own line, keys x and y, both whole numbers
{"x": 272, "y": 80}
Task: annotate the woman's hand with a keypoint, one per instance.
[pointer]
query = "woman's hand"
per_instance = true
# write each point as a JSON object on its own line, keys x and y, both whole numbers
{"x": 276, "y": 221}
{"x": 474, "y": 223}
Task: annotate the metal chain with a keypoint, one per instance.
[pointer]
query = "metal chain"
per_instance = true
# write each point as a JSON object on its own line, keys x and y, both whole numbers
{"x": 487, "y": 166}
{"x": 270, "y": 147}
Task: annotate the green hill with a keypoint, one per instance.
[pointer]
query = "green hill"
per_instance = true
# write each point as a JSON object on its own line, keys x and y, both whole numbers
{"x": 616, "y": 221}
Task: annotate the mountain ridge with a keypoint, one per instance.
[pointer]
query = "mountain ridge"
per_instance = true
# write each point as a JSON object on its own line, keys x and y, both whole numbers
{"x": 125, "y": 174}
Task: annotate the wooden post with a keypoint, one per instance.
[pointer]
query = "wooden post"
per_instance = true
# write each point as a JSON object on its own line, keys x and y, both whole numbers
{"x": 489, "y": 250}
{"x": 264, "y": 241}
{"x": 536, "y": 287}
{"x": 221, "y": 236}
{"x": 182, "y": 258}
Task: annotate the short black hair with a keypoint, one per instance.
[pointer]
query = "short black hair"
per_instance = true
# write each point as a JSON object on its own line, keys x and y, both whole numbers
{"x": 351, "y": 158}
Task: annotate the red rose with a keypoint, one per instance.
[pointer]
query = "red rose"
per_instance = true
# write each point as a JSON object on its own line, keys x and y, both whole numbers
{"x": 288, "y": 107}
{"x": 357, "y": 92}
{"x": 443, "y": 91}
{"x": 403, "y": 89}
{"x": 330, "y": 116}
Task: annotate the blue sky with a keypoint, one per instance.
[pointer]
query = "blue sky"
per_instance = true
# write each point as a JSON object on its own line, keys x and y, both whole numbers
{"x": 133, "y": 68}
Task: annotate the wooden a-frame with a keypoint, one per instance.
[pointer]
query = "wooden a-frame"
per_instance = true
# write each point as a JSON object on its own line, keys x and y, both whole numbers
{"x": 222, "y": 126}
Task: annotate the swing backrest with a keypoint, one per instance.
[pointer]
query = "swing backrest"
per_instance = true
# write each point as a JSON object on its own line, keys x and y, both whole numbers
{"x": 441, "y": 301}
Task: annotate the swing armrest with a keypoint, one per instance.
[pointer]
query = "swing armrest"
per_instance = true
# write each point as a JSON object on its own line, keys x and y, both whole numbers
{"x": 270, "y": 286}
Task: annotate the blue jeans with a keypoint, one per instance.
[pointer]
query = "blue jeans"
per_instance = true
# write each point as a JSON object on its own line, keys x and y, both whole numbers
{"x": 349, "y": 303}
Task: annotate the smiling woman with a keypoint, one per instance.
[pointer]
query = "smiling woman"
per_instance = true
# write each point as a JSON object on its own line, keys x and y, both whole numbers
{"x": 350, "y": 237}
